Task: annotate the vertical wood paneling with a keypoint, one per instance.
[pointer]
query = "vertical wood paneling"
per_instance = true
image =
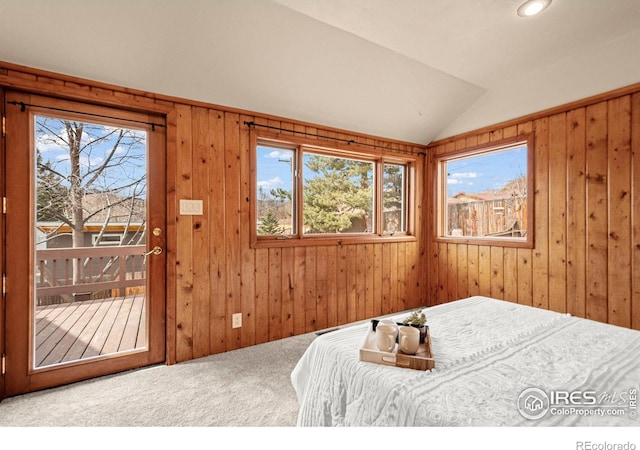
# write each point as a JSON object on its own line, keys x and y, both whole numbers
{"x": 473, "y": 270}
{"x": 586, "y": 254}
{"x": 287, "y": 291}
{"x": 597, "y": 213}
{"x": 413, "y": 282}
{"x": 393, "y": 268}
{"x": 462, "y": 271}
{"x": 342, "y": 284}
{"x": 557, "y": 213}
{"x": 262, "y": 296}
{"x": 525, "y": 281}
{"x": 2, "y": 234}
{"x": 184, "y": 261}
{"x": 433, "y": 249}
{"x": 172, "y": 239}
{"x": 443, "y": 267}
{"x": 370, "y": 293}
{"x": 233, "y": 258}
{"x": 619, "y": 151}
{"x": 352, "y": 283}
{"x": 510, "y": 276}
{"x": 275, "y": 291}
{"x": 299, "y": 303}
{"x": 310, "y": 289}
{"x": 635, "y": 220}
{"x": 217, "y": 242}
{"x": 377, "y": 280}
{"x": 386, "y": 279}
{"x": 209, "y": 158}
{"x": 247, "y": 255}
{"x": 525, "y": 255}
{"x": 497, "y": 274}
{"x": 484, "y": 270}
{"x": 402, "y": 304}
{"x": 200, "y": 233}
{"x": 321, "y": 288}
{"x": 214, "y": 271}
{"x": 332, "y": 287}
{"x": 576, "y": 214}
{"x": 452, "y": 272}
{"x": 541, "y": 200}
{"x": 361, "y": 280}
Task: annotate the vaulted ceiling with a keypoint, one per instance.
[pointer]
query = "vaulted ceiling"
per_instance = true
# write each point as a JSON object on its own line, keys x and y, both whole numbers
{"x": 413, "y": 70}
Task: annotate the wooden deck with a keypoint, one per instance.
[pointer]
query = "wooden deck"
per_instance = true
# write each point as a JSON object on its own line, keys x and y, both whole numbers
{"x": 86, "y": 329}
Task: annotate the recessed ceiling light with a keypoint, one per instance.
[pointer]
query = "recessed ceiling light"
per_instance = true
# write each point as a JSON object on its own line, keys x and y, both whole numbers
{"x": 533, "y": 7}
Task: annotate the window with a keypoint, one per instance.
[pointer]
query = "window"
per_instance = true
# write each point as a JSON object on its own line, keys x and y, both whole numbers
{"x": 484, "y": 194}
{"x": 305, "y": 192}
{"x": 275, "y": 203}
{"x": 106, "y": 239}
{"x": 394, "y": 207}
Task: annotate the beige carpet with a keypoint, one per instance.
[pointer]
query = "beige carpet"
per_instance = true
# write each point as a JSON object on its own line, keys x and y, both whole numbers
{"x": 246, "y": 387}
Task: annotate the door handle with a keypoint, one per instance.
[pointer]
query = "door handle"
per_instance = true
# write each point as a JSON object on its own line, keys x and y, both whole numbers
{"x": 154, "y": 251}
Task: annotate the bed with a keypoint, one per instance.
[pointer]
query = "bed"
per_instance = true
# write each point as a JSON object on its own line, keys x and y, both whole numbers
{"x": 496, "y": 364}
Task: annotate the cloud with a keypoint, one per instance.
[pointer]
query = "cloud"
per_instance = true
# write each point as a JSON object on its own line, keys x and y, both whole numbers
{"x": 465, "y": 175}
{"x": 50, "y": 143}
{"x": 276, "y": 154}
{"x": 270, "y": 184}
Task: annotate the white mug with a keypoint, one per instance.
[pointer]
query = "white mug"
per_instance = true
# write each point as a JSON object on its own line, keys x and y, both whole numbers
{"x": 393, "y": 325}
{"x": 385, "y": 337}
{"x": 409, "y": 340}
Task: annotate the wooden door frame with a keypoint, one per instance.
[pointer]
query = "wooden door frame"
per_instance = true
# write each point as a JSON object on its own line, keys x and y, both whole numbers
{"x": 2, "y": 244}
{"x": 156, "y": 166}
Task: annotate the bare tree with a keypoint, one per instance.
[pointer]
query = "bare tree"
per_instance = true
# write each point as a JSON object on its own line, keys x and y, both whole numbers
{"x": 80, "y": 161}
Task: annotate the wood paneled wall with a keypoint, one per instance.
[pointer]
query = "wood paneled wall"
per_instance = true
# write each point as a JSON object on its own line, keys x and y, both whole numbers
{"x": 586, "y": 258}
{"x": 213, "y": 272}
{"x": 280, "y": 291}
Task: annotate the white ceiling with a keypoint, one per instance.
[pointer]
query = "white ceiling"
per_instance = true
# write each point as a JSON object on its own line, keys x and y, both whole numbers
{"x": 413, "y": 70}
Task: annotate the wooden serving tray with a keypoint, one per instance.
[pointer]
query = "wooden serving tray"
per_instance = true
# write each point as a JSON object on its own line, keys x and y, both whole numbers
{"x": 422, "y": 360}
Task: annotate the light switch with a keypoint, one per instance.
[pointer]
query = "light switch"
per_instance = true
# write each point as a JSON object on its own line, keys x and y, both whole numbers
{"x": 190, "y": 207}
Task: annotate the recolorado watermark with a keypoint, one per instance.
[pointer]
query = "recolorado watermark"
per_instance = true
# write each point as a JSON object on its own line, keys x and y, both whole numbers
{"x": 535, "y": 403}
{"x": 588, "y": 445}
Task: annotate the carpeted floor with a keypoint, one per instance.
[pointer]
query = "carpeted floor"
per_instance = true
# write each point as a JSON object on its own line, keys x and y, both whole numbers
{"x": 246, "y": 387}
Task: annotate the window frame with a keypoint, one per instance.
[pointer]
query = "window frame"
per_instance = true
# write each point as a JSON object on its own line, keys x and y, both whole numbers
{"x": 440, "y": 197}
{"x": 353, "y": 151}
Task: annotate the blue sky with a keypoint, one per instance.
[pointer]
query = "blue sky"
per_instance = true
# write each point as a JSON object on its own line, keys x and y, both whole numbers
{"x": 471, "y": 175}
{"x": 274, "y": 168}
{"x": 129, "y": 161}
{"x": 485, "y": 172}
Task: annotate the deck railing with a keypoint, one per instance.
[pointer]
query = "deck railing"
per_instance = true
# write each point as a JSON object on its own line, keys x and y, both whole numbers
{"x": 68, "y": 274}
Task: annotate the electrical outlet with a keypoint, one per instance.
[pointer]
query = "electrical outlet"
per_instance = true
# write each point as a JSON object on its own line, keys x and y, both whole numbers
{"x": 236, "y": 320}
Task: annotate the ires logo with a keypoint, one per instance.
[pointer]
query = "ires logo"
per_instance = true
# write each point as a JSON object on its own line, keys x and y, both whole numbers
{"x": 534, "y": 403}
{"x": 575, "y": 398}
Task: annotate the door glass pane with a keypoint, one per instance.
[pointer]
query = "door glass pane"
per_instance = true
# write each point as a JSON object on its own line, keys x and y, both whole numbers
{"x": 89, "y": 240}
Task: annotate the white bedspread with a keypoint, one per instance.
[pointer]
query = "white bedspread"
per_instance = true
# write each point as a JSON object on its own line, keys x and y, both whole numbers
{"x": 487, "y": 353}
